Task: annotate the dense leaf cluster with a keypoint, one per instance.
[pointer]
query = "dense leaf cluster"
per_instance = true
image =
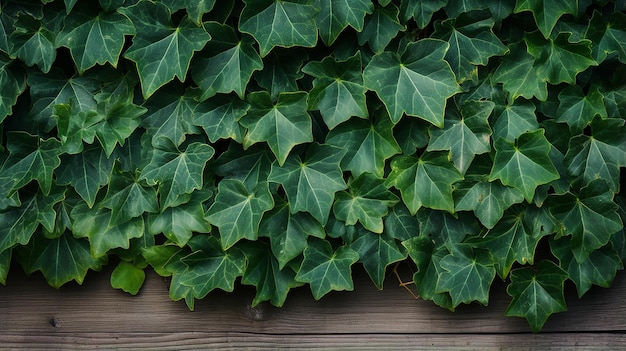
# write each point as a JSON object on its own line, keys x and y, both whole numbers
{"x": 279, "y": 143}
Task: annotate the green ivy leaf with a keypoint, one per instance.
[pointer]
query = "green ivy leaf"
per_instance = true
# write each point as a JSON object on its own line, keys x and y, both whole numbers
{"x": 272, "y": 282}
{"x": 231, "y": 68}
{"x": 33, "y": 42}
{"x": 94, "y": 37}
{"x": 420, "y": 11}
{"x": 87, "y": 172}
{"x": 599, "y": 268}
{"x": 30, "y": 158}
{"x": 465, "y": 133}
{"x": 283, "y": 124}
{"x": 401, "y": 223}
{"x": 577, "y": 109}
{"x": 601, "y": 155}
{"x": 288, "y": 232}
{"x": 368, "y": 144}
{"x": 326, "y": 270}
{"x": 366, "y": 201}
{"x": 377, "y": 252}
{"x": 94, "y": 224}
{"x": 60, "y": 260}
{"x": 467, "y": 275}
{"x": 128, "y": 277}
{"x": 20, "y": 223}
{"x": 380, "y": 28}
{"x": 488, "y": 200}
{"x": 559, "y": 60}
{"x": 519, "y": 76}
{"x": 311, "y": 183}
{"x": 607, "y": 36}
{"x": 416, "y": 82}
{"x": 281, "y": 72}
{"x": 5, "y": 264}
{"x": 166, "y": 258}
{"x": 12, "y": 84}
{"x": 517, "y": 118}
{"x": 547, "y": 12}
{"x": 524, "y": 164}
{"x": 337, "y": 15}
{"x": 209, "y": 267}
{"x": 195, "y": 8}
{"x": 251, "y": 166}
{"x": 537, "y": 293}
{"x": 444, "y": 229}
{"x": 127, "y": 197}
{"x": 171, "y": 114}
{"x": 219, "y": 117}
{"x": 427, "y": 257}
{"x": 515, "y": 237}
{"x": 177, "y": 172}
{"x": 338, "y": 90}
{"x": 279, "y": 23}
{"x": 471, "y": 41}
{"x": 161, "y": 50}
{"x": 237, "y": 210}
{"x": 590, "y": 217}
{"x": 424, "y": 181}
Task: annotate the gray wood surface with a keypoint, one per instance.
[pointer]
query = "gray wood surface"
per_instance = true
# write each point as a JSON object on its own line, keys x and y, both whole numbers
{"x": 33, "y": 315}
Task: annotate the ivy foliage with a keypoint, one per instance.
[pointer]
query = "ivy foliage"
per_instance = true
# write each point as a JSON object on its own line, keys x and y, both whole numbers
{"x": 281, "y": 143}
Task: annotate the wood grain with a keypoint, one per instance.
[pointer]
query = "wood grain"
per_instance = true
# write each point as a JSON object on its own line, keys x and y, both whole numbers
{"x": 33, "y": 315}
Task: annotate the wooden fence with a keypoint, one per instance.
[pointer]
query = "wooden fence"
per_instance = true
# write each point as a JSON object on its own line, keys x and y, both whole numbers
{"x": 95, "y": 316}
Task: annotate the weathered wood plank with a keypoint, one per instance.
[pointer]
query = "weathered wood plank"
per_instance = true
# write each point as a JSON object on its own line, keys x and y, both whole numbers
{"x": 34, "y": 315}
{"x": 246, "y": 341}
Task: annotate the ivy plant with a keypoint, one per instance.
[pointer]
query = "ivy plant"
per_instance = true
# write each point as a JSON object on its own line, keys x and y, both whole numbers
{"x": 280, "y": 143}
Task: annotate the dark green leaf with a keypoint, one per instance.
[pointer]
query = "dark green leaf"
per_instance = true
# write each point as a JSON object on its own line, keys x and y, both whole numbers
{"x": 547, "y": 12}
{"x": 12, "y": 84}
{"x": 421, "y": 11}
{"x": 517, "y": 118}
{"x": 219, "y": 117}
{"x": 87, "y": 172}
{"x": 377, "y": 252}
{"x": 380, "y": 28}
{"x": 519, "y": 76}
{"x": 251, "y": 166}
{"x": 33, "y": 42}
{"x": 401, "y": 223}
{"x": 467, "y": 275}
{"x": 336, "y": 15}
{"x": 608, "y": 37}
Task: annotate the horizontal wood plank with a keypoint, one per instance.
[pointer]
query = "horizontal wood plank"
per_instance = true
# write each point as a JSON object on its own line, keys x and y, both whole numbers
{"x": 35, "y": 315}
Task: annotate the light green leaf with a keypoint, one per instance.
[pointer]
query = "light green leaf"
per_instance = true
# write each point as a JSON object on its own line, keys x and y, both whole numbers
{"x": 161, "y": 50}
{"x": 272, "y": 282}
{"x": 380, "y": 28}
{"x": 237, "y": 210}
{"x": 467, "y": 275}
{"x": 599, "y": 268}
{"x": 311, "y": 183}
{"x": 283, "y": 124}
{"x": 30, "y": 158}
{"x": 165, "y": 259}
{"x": 94, "y": 38}
{"x": 209, "y": 267}
{"x": 179, "y": 223}
{"x": 338, "y": 90}
{"x": 288, "y": 232}
{"x": 368, "y": 144}
{"x": 465, "y": 133}
{"x": 366, "y": 201}
{"x": 177, "y": 172}
{"x": 171, "y": 114}
{"x": 219, "y": 117}
{"x": 519, "y": 76}
{"x": 326, "y": 270}
{"x": 127, "y": 197}
{"x": 86, "y": 171}
{"x": 417, "y": 82}
{"x": 601, "y": 155}
{"x": 377, "y": 252}
{"x": 517, "y": 118}
{"x": 284, "y": 23}
{"x": 524, "y": 164}
{"x": 12, "y": 84}
{"x": 471, "y": 41}
{"x": 228, "y": 70}
{"x": 590, "y": 217}
{"x": 559, "y": 60}
{"x": 60, "y": 260}
{"x": 424, "y": 181}
{"x": 537, "y": 293}
{"x": 547, "y": 12}
{"x": 336, "y": 15}
{"x": 128, "y": 277}
{"x": 94, "y": 224}
{"x": 577, "y": 109}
